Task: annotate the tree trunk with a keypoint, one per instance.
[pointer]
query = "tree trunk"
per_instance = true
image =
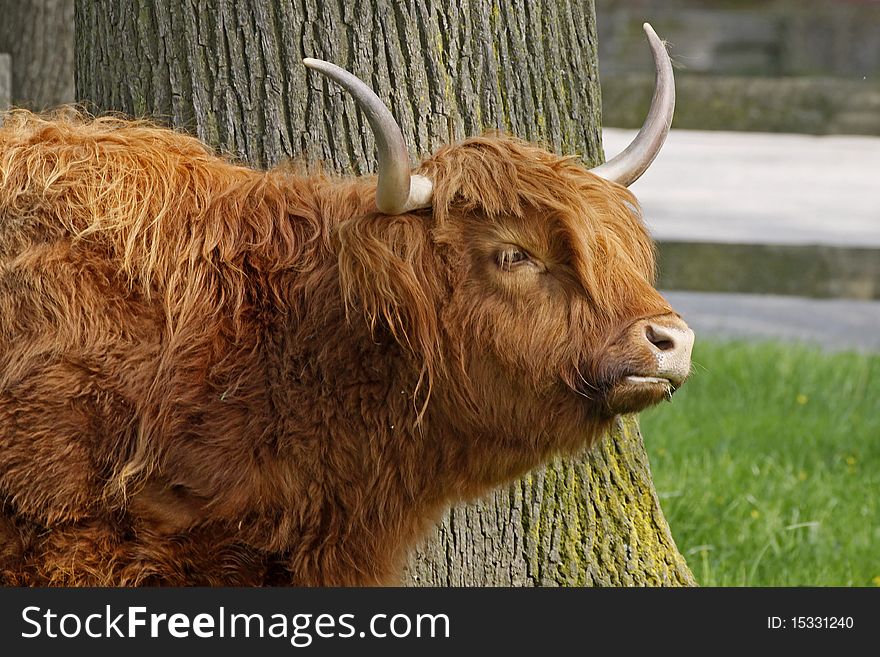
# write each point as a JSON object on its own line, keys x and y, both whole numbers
{"x": 231, "y": 73}
{"x": 38, "y": 34}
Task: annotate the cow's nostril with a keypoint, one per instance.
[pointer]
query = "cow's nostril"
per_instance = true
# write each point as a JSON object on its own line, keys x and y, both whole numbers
{"x": 668, "y": 342}
{"x": 661, "y": 338}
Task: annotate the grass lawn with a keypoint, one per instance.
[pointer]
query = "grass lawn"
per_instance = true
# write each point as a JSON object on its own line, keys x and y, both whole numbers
{"x": 767, "y": 464}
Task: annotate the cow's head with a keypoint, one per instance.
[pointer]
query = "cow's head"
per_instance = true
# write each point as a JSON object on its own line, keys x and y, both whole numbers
{"x": 523, "y": 281}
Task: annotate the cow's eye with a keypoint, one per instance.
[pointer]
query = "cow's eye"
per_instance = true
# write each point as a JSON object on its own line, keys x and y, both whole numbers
{"x": 510, "y": 257}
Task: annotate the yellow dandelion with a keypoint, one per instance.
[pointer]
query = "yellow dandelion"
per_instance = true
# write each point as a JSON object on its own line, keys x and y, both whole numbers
{"x": 876, "y": 581}
{"x": 851, "y": 460}
{"x": 755, "y": 514}
{"x": 802, "y": 398}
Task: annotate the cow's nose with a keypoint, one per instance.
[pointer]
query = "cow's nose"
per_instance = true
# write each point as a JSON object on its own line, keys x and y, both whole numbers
{"x": 671, "y": 342}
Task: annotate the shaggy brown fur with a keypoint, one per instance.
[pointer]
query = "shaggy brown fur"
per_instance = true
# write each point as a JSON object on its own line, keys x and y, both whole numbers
{"x": 213, "y": 375}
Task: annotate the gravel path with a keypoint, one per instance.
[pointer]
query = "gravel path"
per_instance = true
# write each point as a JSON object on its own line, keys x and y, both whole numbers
{"x": 758, "y": 188}
{"x": 835, "y": 324}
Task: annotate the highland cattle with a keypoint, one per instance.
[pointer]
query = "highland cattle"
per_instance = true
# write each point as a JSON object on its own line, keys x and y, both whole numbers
{"x": 213, "y": 375}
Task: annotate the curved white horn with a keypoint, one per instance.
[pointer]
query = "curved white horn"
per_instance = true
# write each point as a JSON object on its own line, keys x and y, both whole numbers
{"x": 626, "y": 168}
{"x": 397, "y": 191}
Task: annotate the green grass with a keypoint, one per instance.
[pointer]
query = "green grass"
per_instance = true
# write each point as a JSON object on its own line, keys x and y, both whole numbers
{"x": 767, "y": 464}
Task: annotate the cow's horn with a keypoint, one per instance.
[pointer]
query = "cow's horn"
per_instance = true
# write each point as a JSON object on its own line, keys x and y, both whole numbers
{"x": 626, "y": 168}
{"x": 397, "y": 191}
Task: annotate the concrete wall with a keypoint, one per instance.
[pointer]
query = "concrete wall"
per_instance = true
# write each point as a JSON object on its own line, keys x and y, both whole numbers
{"x": 782, "y": 65}
{"x": 812, "y": 105}
{"x": 836, "y": 38}
{"x": 784, "y": 269}
{"x": 5, "y": 81}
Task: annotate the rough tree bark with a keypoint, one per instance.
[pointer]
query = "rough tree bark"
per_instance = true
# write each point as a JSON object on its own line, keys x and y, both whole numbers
{"x": 230, "y": 72}
{"x": 38, "y": 34}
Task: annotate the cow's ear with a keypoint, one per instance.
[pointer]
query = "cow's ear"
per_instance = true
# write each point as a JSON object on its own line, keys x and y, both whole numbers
{"x": 388, "y": 271}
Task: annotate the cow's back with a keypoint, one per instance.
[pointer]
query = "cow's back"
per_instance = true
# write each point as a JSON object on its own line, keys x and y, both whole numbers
{"x": 111, "y": 354}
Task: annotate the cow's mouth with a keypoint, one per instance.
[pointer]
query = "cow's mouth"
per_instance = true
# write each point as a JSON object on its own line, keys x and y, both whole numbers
{"x": 649, "y": 380}
{"x": 635, "y": 392}
{"x": 627, "y": 393}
